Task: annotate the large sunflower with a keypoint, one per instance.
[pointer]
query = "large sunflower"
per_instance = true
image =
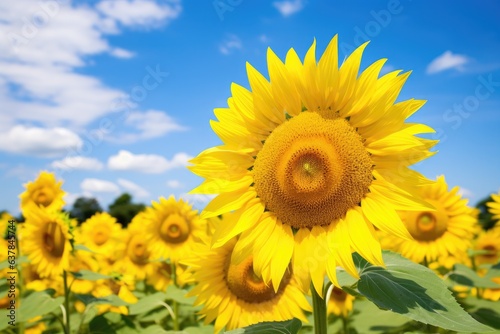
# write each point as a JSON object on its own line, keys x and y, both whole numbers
{"x": 171, "y": 228}
{"x": 235, "y": 296}
{"x": 46, "y": 240}
{"x": 310, "y": 160}
{"x": 44, "y": 191}
{"x": 442, "y": 235}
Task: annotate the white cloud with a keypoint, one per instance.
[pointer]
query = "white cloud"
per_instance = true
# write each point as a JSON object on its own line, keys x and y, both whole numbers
{"x": 135, "y": 189}
{"x": 90, "y": 186}
{"x": 140, "y": 12}
{"x": 446, "y": 61}
{"x": 121, "y": 53}
{"x": 46, "y": 42}
{"x": 147, "y": 125}
{"x": 464, "y": 192}
{"x": 232, "y": 42}
{"x": 174, "y": 184}
{"x": 287, "y": 8}
{"x": 37, "y": 141}
{"x": 77, "y": 162}
{"x": 146, "y": 163}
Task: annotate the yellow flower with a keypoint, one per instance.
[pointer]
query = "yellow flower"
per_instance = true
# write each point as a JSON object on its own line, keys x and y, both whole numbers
{"x": 5, "y": 218}
{"x": 235, "y": 296}
{"x": 101, "y": 233}
{"x": 494, "y": 207}
{"x": 340, "y": 302}
{"x": 135, "y": 258}
{"x": 45, "y": 191}
{"x": 120, "y": 288}
{"x": 442, "y": 235}
{"x": 82, "y": 260}
{"x": 488, "y": 241}
{"x": 492, "y": 294}
{"x": 310, "y": 160}
{"x": 171, "y": 228}
{"x": 46, "y": 240}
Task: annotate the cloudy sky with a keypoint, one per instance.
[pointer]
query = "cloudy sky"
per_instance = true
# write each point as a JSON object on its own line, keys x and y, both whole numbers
{"x": 116, "y": 96}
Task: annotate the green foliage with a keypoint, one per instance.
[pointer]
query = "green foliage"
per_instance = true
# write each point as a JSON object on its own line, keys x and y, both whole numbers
{"x": 36, "y": 304}
{"x": 485, "y": 218}
{"x": 124, "y": 210}
{"x": 463, "y": 275}
{"x": 84, "y": 208}
{"x": 415, "y": 291}
{"x": 272, "y": 327}
{"x": 89, "y": 275}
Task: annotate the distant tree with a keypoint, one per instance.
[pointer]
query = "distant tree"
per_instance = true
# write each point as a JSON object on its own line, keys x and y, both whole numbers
{"x": 124, "y": 210}
{"x": 84, "y": 208}
{"x": 485, "y": 217}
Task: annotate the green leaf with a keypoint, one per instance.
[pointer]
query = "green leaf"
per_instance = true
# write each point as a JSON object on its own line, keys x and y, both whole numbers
{"x": 485, "y": 311}
{"x": 415, "y": 291}
{"x": 112, "y": 300}
{"x": 147, "y": 303}
{"x": 19, "y": 260}
{"x": 37, "y": 303}
{"x": 199, "y": 330}
{"x": 83, "y": 248}
{"x": 465, "y": 276}
{"x": 272, "y": 327}
{"x": 368, "y": 318}
{"x": 89, "y": 275}
{"x": 179, "y": 295}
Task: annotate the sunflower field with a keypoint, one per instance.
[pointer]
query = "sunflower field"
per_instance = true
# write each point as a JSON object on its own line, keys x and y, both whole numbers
{"x": 318, "y": 224}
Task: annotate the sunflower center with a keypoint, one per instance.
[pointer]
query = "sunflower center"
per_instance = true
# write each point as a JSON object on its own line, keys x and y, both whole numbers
{"x": 54, "y": 240}
{"x": 246, "y": 285}
{"x": 427, "y": 225}
{"x": 100, "y": 236}
{"x": 492, "y": 251}
{"x": 338, "y": 295}
{"x": 137, "y": 250}
{"x": 43, "y": 196}
{"x": 312, "y": 170}
{"x": 174, "y": 229}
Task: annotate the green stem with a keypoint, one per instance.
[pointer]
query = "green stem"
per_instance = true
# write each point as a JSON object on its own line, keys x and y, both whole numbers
{"x": 319, "y": 312}
{"x": 66, "y": 302}
{"x": 344, "y": 325}
{"x": 175, "y": 304}
{"x": 20, "y": 285}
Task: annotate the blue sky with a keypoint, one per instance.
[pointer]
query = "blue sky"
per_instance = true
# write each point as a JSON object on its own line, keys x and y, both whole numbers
{"x": 116, "y": 96}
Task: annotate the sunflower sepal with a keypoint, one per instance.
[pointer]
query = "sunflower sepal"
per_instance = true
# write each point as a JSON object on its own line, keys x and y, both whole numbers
{"x": 289, "y": 326}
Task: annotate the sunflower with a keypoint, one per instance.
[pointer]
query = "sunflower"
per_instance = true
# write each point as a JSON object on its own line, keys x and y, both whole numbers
{"x": 44, "y": 191}
{"x": 171, "y": 228}
{"x": 443, "y": 235}
{"x": 492, "y": 294}
{"x": 46, "y": 240}
{"x": 489, "y": 242}
{"x": 494, "y": 208}
{"x": 135, "y": 258}
{"x": 340, "y": 302}
{"x": 101, "y": 233}
{"x": 310, "y": 161}
{"x": 235, "y": 296}
{"x": 114, "y": 286}
{"x": 82, "y": 260}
